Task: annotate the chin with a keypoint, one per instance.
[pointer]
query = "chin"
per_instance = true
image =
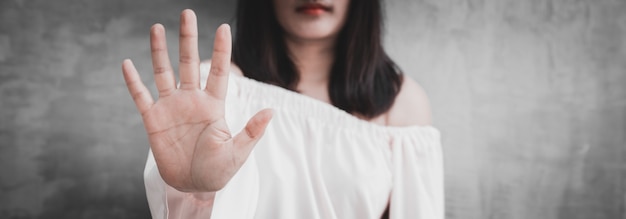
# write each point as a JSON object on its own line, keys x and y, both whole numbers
{"x": 314, "y": 36}
{"x": 314, "y": 32}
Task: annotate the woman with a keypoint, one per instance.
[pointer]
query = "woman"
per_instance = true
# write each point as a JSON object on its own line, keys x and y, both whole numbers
{"x": 355, "y": 141}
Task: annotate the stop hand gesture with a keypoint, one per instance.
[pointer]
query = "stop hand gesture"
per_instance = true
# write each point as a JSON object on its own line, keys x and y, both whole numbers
{"x": 189, "y": 137}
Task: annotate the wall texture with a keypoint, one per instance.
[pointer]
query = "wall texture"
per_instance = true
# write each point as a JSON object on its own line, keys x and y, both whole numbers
{"x": 530, "y": 97}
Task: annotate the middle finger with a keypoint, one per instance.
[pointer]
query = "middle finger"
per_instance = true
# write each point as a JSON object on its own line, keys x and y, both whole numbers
{"x": 189, "y": 57}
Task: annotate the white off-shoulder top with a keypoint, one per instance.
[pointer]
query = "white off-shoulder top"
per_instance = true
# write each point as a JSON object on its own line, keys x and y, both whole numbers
{"x": 314, "y": 161}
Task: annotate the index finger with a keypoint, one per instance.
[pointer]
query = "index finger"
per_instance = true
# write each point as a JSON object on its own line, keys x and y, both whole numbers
{"x": 217, "y": 82}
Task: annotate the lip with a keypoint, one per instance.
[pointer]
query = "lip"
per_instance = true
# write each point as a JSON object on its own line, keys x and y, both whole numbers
{"x": 313, "y": 8}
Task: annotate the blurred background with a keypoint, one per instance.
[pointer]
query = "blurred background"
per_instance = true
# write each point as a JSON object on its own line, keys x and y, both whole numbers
{"x": 530, "y": 97}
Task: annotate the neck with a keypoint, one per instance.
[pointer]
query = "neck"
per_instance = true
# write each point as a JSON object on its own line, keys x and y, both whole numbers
{"x": 313, "y": 59}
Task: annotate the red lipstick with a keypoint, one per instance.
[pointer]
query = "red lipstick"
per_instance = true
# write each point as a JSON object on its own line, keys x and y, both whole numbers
{"x": 313, "y": 9}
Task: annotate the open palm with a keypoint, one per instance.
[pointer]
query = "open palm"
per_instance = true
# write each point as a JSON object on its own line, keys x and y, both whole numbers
{"x": 189, "y": 137}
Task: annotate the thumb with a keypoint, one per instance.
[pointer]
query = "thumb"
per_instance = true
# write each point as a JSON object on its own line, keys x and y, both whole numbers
{"x": 252, "y": 133}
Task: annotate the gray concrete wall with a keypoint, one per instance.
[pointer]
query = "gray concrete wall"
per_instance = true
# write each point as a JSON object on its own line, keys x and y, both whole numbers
{"x": 530, "y": 97}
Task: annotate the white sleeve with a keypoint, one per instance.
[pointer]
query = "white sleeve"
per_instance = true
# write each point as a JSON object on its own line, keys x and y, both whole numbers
{"x": 155, "y": 189}
{"x": 166, "y": 202}
{"x": 237, "y": 199}
{"x": 417, "y": 169}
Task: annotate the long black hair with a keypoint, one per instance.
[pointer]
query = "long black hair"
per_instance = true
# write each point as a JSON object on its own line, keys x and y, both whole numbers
{"x": 363, "y": 79}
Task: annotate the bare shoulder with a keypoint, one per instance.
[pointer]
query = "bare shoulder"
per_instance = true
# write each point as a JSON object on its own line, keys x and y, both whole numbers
{"x": 411, "y": 107}
{"x": 234, "y": 69}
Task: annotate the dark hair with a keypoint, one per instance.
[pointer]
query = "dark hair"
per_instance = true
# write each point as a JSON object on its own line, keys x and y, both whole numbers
{"x": 363, "y": 79}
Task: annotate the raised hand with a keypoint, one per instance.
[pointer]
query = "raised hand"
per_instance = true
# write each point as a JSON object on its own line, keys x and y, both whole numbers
{"x": 189, "y": 137}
